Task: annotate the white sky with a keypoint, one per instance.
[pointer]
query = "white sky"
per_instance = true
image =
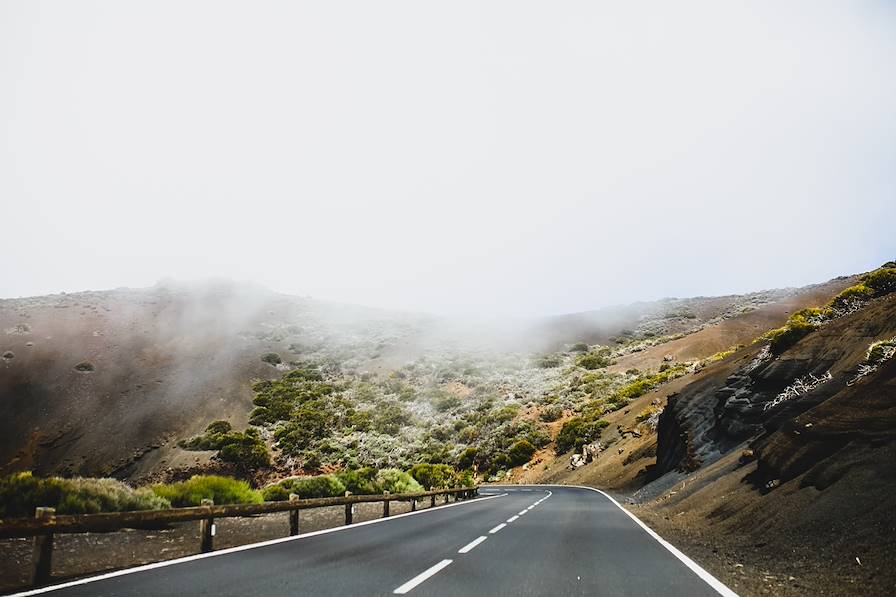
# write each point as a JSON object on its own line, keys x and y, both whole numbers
{"x": 488, "y": 157}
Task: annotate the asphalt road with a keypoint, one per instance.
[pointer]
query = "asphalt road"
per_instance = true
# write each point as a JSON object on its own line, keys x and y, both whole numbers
{"x": 537, "y": 541}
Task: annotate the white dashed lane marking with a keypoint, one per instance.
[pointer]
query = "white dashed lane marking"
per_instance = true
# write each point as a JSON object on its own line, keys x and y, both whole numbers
{"x": 497, "y": 528}
{"x": 423, "y": 576}
{"x": 469, "y": 546}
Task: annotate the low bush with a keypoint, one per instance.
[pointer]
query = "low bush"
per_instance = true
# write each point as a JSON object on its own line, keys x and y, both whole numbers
{"x": 271, "y": 358}
{"x": 396, "y": 481}
{"x": 799, "y": 325}
{"x": 366, "y": 481}
{"x": 579, "y": 347}
{"x": 223, "y": 490}
{"x": 433, "y": 475}
{"x": 305, "y": 487}
{"x": 576, "y": 432}
{"x": 361, "y": 481}
{"x": 550, "y": 414}
{"x": 882, "y": 281}
{"x": 467, "y": 458}
{"x": 646, "y": 414}
{"x": 520, "y": 453}
{"x": 594, "y": 360}
{"x": 644, "y": 384}
{"x": 443, "y": 402}
{"x": 880, "y": 351}
{"x": 246, "y": 450}
{"x": 549, "y": 361}
{"x": 878, "y": 283}
{"x": 21, "y": 493}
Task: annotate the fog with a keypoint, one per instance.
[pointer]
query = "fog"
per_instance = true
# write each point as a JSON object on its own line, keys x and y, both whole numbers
{"x": 497, "y": 158}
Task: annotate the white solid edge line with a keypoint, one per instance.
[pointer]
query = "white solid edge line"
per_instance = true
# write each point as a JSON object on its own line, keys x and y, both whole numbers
{"x": 708, "y": 578}
{"x": 512, "y": 518}
{"x": 431, "y": 571}
{"x": 469, "y": 546}
{"x": 200, "y": 556}
{"x": 497, "y": 528}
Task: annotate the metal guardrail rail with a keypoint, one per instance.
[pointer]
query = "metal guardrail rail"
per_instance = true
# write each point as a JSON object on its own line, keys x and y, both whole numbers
{"x": 47, "y": 523}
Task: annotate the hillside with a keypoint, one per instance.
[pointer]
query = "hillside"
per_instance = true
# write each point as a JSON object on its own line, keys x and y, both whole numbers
{"x": 774, "y": 468}
{"x": 767, "y": 455}
{"x": 107, "y": 383}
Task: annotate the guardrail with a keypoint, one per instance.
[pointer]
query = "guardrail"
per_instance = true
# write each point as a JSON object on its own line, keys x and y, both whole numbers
{"x": 46, "y": 522}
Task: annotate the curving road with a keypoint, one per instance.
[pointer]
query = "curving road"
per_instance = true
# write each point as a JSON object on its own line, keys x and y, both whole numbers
{"x": 519, "y": 541}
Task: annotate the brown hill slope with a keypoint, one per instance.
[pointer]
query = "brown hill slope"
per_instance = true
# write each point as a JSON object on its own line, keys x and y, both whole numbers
{"x": 775, "y": 489}
{"x": 96, "y": 382}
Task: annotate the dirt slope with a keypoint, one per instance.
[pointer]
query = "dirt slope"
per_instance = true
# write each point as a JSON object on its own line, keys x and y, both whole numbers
{"x": 780, "y": 497}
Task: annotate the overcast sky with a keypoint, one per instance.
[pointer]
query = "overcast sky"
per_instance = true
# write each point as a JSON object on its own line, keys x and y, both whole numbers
{"x": 487, "y": 157}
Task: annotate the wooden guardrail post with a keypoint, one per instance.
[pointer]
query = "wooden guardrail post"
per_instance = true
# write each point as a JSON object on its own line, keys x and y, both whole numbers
{"x": 432, "y": 502}
{"x": 293, "y": 517}
{"x": 206, "y": 529}
{"x": 42, "y": 560}
{"x": 385, "y": 504}
{"x": 348, "y": 509}
{"x": 414, "y": 505}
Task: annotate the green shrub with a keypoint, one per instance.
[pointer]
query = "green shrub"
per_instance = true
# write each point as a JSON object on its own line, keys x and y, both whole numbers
{"x": 465, "y": 479}
{"x": 433, "y": 475}
{"x": 549, "y": 361}
{"x": 646, "y": 414}
{"x": 271, "y": 358}
{"x": 551, "y": 414}
{"x": 878, "y": 283}
{"x": 576, "y": 432}
{"x": 882, "y": 281}
{"x": 305, "y": 487}
{"x": 223, "y": 490}
{"x": 799, "y": 325}
{"x": 396, "y": 481}
{"x": 21, "y": 493}
{"x": 246, "y": 450}
{"x": 361, "y": 481}
{"x": 467, "y": 458}
{"x": 879, "y": 351}
{"x": 520, "y": 453}
{"x": 218, "y": 428}
{"x": 306, "y": 427}
{"x": 858, "y": 293}
{"x": 444, "y": 402}
{"x": 594, "y": 360}
{"x": 390, "y": 417}
{"x": 579, "y": 347}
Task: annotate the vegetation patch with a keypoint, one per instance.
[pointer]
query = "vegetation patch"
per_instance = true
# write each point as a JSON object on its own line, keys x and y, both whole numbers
{"x": 878, "y": 353}
{"x": 306, "y": 488}
{"x": 21, "y": 493}
{"x": 222, "y": 490}
{"x": 366, "y": 481}
{"x": 595, "y": 359}
{"x": 550, "y": 361}
{"x": 578, "y": 431}
{"x": 271, "y": 358}
{"x": 246, "y": 450}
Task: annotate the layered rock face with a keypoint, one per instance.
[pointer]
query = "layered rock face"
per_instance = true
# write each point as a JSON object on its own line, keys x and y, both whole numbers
{"x": 804, "y": 401}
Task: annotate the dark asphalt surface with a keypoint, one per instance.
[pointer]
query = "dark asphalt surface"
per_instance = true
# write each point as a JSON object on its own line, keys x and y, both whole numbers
{"x": 576, "y": 542}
